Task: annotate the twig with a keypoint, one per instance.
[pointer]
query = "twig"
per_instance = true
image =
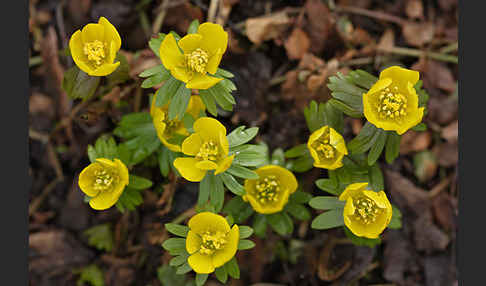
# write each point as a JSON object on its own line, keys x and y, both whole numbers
{"x": 213, "y": 7}
{"x": 449, "y": 48}
{"x": 188, "y": 213}
{"x": 46, "y": 191}
{"x": 440, "y": 187}
{"x": 159, "y": 20}
{"x": 372, "y": 14}
{"x": 419, "y": 53}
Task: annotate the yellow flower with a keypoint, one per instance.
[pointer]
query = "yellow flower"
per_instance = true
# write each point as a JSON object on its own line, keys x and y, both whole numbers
{"x": 169, "y": 131}
{"x": 392, "y": 102}
{"x": 270, "y": 193}
{"x": 327, "y": 147}
{"x": 209, "y": 147}
{"x": 366, "y": 213}
{"x": 210, "y": 242}
{"x": 202, "y": 53}
{"x": 103, "y": 181}
{"x": 94, "y": 48}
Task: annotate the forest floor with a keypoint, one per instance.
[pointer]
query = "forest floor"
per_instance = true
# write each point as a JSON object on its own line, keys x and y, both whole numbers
{"x": 282, "y": 54}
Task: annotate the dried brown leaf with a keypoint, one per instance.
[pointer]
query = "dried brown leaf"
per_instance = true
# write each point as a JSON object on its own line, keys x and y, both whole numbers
{"x": 297, "y": 44}
{"x": 320, "y": 24}
{"x": 414, "y": 141}
{"x": 267, "y": 27}
{"x": 418, "y": 34}
{"x": 414, "y": 9}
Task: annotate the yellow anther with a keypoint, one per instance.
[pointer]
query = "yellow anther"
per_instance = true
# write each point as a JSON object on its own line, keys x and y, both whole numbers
{"x": 103, "y": 180}
{"x": 197, "y": 60}
{"x": 267, "y": 189}
{"x": 392, "y": 105}
{"x": 95, "y": 51}
{"x": 366, "y": 210}
{"x": 212, "y": 241}
{"x": 208, "y": 151}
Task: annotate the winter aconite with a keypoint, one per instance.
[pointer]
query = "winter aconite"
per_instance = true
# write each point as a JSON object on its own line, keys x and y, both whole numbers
{"x": 208, "y": 148}
{"x": 210, "y": 242}
{"x": 271, "y": 191}
{"x": 327, "y": 147}
{"x": 172, "y": 132}
{"x": 366, "y": 213}
{"x": 94, "y": 48}
{"x": 202, "y": 53}
{"x": 104, "y": 181}
{"x": 392, "y": 102}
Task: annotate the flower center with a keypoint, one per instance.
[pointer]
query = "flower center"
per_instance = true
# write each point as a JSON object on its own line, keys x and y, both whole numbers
{"x": 208, "y": 151}
{"x": 366, "y": 210}
{"x": 197, "y": 60}
{"x": 212, "y": 241}
{"x": 392, "y": 104}
{"x": 103, "y": 180}
{"x": 323, "y": 147}
{"x": 95, "y": 51}
{"x": 268, "y": 189}
{"x": 170, "y": 125}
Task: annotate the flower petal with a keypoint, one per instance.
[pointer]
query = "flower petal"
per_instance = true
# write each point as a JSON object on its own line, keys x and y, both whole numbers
{"x": 87, "y": 177}
{"x": 169, "y": 52}
{"x": 337, "y": 141}
{"x": 224, "y": 165}
{"x": 193, "y": 242}
{"x": 192, "y": 144}
{"x": 76, "y": 47}
{"x": 111, "y": 34}
{"x": 206, "y": 165}
{"x": 92, "y": 32}
{"x": 209, "y": 129}
{"x": 122, "y": 172}
{"x": 190, "y": 42}
{"x": 187, "y": 168}
{"x": 105, "y": 69}
{"x": 400, "y": 76}
{"x": 215, "y": 39}
{"x": 105, "y": 200}
{"x": 213, "y": 63}
{"x": 195, "y": 106}
{"x": 222, "y": 256}
{"x": 202, "y": 81}
{"x": 201, "y": 263}
{"x": 205, "y": 221}
{"x": 352, "y": 190}
{"x": 381, "y": 84}
{"x": 181, "y": 74}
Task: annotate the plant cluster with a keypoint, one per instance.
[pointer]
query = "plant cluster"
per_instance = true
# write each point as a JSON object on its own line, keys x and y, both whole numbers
{"x": 179, "y": 136}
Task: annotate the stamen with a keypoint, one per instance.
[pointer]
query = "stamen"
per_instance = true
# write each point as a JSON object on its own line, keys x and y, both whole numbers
{"x": 104, "y": 180}
{"x": 212, "y": 241}
{"x": 208, "y": 151}
{"x": 392, "y": 105}
{"x": 267, "y": 189}
{"x": 197, "y": 60}
{"x": 95, "y": 51}
{"x": 366, "y": 210}
{"x": 323, "y": 147}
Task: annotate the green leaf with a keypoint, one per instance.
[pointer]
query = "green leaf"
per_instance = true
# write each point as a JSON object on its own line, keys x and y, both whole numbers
{"x": 91, "y": 274}
{"x": 231, "y": 183}
{"x": 78, "y": 84}
{"x": 100, "y": 236}
{"x": 179, "y": 102}
{"x": 238, "y": 209}
{"x": 201, "y": 279}
{"x": 260, "y": 225}
{"x": 153, "y": 71}
{"x": 209, "y": 102}
{"x": 346, "y": 109}
{"x": 396, "y": 220}
{"x": 177, "y": 229}
{"x": 297, "y": 151}
{"x": 232, "y": 268}
{"x": 221, "y": 92}
{"x": 345, "y": 90}
{"x": 168, "y": 277}
{"x": 329, "y": 219}
{"x": 298, "y": 211}
{"x": 193, "y": 27}
{"x": 326, "y": 203}
{"x": 175, "y": 245}
{"x": 164, "y": 163}
{"x": 361, "y": 241}
{"x": 245, "y": 244}
{"x": 329, "y": 186}
{"x": 167, "y": 91}
{"x": 392, "y": 148}
{"x": 242, "y": 172}
{"x": 377, "y": 147}
{"x": 420, "y": 127}
{"x": 241, "y": 135}
{"x": 204, "y": 189}
{"x": 367, "y": 136}
{"x": 183, "y": 269}
{"x": 255, "y": 156}
{"x": 422, "y": 94}
{"x": 139, "y": 183}
{"x": 156, "y": 79}
{"x": 154, "y": 43}
{"x": 129, "y": 200}
{"x": 300, "y": 197}
{"x": 224, "y": 73}
{"x": 179, "y": 259}
{"x": 121, "y": 74}
{"x": 217, "y": 192}
{"x": 221, "y": 274}
{"x": 362, "y": 78}
{"x": 245, "y": 231}
{"x": 105, "y": 147}
{"x": 302, "y": 164}
{"x": 323, "y": 114}
{"x": 278, "y": 157}
{"x": 281, "y": 223}
{"x": 376, "y": 179}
